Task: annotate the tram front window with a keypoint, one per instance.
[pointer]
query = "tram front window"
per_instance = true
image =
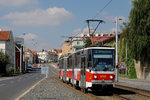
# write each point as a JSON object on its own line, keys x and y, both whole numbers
{"x": 103, "y": 60}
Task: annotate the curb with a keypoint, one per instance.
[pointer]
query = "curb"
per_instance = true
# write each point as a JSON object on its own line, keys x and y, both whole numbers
{"x": 32, "y": 87}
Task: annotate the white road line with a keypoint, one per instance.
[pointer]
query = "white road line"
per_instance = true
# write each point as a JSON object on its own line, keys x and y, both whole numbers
{"x": 18, "y": 98}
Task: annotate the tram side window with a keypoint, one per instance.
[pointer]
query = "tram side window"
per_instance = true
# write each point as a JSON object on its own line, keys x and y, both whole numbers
{"x": 89, "y": 58}
{"x": 60, "y": 64}
{"x": 70, "y": 62}
{"x": 77, "y": 60}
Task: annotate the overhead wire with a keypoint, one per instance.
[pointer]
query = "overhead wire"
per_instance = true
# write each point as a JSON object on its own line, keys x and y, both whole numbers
{"x": 94, "y": 17}
{"x": 102, "y": 9}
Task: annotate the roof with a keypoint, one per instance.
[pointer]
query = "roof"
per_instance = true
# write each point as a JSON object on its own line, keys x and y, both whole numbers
{"x": 58, "y": 51}
{"x": 28, "y": 50}
{"x": 33, "y": 52}
{"x": 109, "y": 48}
{"x": 4, "y": 35}
{"x": 100, "y": 38}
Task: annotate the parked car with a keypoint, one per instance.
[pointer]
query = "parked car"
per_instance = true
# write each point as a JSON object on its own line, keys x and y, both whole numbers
{"x": 29, "y": 67}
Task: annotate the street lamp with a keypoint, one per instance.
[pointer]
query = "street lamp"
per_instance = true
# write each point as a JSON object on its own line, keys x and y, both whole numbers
{"x": 117, "y": 72}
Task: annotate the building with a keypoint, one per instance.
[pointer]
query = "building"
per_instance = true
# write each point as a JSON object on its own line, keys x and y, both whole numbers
{"x": 59, "y": 53}
{"x": 66, "y": 48}
{"x": 101, "y": 38}
{"x": 42, "y": 56}
{"x": 77, "y": 44}
{"x": 29, "y": 56}
{"x": 20, "y": 57}
{"x": 7, "y": 45}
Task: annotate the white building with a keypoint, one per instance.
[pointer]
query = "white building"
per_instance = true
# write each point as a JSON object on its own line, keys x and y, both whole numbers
{"x": 42, "y": 55}
{"x": 7, "y": 45}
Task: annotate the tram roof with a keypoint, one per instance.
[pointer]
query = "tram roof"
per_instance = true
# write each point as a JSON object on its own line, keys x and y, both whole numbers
{"x": 107, "y": 47}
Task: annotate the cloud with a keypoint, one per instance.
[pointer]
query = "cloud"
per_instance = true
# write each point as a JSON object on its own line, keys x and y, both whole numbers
{"x": 34, "y": 42}
{"x": 17, "y": 3}
{"x": 80, "y": 31}
{"x": 110, "y": 18}
{"x": 51, "y": 17}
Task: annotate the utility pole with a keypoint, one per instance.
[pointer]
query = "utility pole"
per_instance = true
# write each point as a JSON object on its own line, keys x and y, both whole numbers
{"x": 117, "y": 69}
{"x": 116, "y": 49}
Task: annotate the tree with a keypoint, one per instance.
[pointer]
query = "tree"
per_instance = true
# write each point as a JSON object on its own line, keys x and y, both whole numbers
{"x": 139, "y": 30}
{"x": 88, "y": 43}
{"x": 4, "y": 60}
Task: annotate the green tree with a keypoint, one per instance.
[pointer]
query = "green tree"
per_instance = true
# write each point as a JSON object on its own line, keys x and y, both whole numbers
{"x": 88, "y": 43}
{"x": 139, "y": 30}
{"x": 4, "y": 60}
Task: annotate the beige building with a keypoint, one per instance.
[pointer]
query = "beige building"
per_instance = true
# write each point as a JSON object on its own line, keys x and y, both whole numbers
{"x": 66, "y": 48}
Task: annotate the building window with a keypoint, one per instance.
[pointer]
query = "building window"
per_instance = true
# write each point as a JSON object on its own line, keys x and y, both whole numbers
{"x": 78, "y": 42}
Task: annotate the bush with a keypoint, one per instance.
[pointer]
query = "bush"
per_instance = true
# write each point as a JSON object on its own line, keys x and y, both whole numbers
{"x": 131, "y": 68}
{"x": 10, "y": 70}
{"x": 4, "y": 60}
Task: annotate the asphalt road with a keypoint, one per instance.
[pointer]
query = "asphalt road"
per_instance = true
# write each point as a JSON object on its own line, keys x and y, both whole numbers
{"x": 12, "y": 87}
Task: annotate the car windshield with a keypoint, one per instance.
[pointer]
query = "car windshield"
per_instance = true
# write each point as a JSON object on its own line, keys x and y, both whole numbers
{"x": 103, "y": 60}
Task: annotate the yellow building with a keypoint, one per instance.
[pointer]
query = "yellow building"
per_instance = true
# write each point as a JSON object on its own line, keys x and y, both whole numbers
{"x": 66, "y": 48}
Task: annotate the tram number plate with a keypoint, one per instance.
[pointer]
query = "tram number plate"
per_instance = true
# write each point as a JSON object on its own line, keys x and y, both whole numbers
{"x": 103, "y": 76}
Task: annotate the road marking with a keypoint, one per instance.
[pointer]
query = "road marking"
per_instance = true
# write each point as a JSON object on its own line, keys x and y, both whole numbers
{"x": 32, "y": 87}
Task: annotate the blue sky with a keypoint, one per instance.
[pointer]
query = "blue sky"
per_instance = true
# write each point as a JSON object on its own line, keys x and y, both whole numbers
{"x": 44, "y": 22}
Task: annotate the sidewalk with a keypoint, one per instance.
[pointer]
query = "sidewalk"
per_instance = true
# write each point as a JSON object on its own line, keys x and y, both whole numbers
{"x": 135, "y": 83}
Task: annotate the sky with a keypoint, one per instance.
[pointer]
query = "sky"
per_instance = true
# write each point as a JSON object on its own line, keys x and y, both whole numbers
{"x": 46, "y": 24}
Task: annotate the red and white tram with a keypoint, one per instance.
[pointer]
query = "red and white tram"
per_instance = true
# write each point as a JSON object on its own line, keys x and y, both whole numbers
{"x": 91, "y": 67}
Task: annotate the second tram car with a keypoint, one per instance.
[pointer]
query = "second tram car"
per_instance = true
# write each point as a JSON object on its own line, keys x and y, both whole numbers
{"x": 91, "y": 67}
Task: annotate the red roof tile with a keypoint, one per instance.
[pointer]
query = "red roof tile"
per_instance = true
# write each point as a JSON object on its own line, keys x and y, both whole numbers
{"x": 101, "y": 38}
{"x": 58, "y": 50}
{"x": 4, "y": 35}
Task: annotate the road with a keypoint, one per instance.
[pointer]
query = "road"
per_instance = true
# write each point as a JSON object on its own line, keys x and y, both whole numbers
{"x": 12, "y": 87}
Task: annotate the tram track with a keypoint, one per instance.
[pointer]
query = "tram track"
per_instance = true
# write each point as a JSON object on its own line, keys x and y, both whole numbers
{"x": 124, "y": 93}
{"x": 87, "y": 95}
{"x": 118, "y": 93}
{"x": 138, "y": 92}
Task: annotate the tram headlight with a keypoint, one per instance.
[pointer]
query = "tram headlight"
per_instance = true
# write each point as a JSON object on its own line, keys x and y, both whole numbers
{"x": 111, "y": 77}
{"x": 95, "y": 77}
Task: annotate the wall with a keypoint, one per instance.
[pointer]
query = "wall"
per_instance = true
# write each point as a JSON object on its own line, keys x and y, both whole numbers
{"x": 66, "y": 49}
{"x": 142, "y": 71}
{"x": 2, "y": 46}
{"x": 10, "y": 49}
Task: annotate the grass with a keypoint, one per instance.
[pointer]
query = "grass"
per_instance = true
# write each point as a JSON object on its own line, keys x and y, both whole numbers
{"x": 123, "y": 75}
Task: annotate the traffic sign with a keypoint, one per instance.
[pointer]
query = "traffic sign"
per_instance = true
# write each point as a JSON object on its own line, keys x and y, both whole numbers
{"x": 44, "y": 70}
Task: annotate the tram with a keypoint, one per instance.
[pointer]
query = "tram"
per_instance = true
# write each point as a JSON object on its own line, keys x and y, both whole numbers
{"x": 89, "y": 68}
